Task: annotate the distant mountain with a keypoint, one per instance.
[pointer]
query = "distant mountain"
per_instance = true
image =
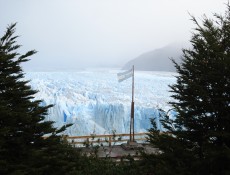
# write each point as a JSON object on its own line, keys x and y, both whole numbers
{"x": 157, "y": 60}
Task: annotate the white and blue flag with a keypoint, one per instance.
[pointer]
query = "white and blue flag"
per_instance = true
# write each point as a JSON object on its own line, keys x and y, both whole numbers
{"x": 124, "y": 75}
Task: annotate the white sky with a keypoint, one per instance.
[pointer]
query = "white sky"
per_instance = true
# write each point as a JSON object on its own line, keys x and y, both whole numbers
{"x": 86, "y": 33}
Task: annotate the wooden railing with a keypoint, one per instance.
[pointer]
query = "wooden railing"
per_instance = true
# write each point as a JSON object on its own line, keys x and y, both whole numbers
{"x": 108, "y": 139}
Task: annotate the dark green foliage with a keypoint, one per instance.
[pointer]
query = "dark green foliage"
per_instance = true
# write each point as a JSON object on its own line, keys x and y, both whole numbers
{"x": 23, "y": 149}
{"x": 198, "y": 140}
{"x": 96, "y": 166}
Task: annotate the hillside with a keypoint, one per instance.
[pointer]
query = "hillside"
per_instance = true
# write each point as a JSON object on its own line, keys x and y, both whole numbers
{"x": 157, "y": 60}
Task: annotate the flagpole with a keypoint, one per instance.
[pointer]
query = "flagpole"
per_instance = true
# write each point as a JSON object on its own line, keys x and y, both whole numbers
{"x": 132, "y": 111}
{"x": 121, "y": 77}
{"x": 133, "y": 86}
{"x": 133, "y": 101}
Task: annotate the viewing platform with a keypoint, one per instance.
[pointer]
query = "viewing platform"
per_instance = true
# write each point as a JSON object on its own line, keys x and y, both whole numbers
{"x": 115, "y": 146}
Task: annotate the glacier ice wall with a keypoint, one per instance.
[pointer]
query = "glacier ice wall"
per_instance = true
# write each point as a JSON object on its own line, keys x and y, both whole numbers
{"x": 94, "y": 102}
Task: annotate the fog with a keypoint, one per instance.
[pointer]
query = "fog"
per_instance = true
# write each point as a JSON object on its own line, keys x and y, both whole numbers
{"x": 78, "y": 34}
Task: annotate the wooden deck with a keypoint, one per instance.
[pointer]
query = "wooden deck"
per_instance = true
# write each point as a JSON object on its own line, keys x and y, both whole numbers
{"x": 114, "y": 146}
{"x": 118, "y": 152}
{"x": 107, "y": 139}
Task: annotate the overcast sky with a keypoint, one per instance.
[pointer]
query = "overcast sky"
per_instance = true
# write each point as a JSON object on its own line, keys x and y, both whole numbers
{"x": 85, "y": 33}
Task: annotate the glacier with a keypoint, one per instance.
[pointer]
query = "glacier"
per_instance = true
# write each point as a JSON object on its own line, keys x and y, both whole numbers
{"x": 96, "y": 103}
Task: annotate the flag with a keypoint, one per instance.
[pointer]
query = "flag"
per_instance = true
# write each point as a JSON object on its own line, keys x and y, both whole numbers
{"x": 124, "y": 75}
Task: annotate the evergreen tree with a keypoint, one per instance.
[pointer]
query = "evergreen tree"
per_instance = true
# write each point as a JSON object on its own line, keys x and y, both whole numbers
{"x": 23, "y": 150}
{"x": 197, "y": 141}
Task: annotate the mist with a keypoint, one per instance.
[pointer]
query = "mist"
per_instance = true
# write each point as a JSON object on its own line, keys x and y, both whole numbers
{"x": 79, "y": 34}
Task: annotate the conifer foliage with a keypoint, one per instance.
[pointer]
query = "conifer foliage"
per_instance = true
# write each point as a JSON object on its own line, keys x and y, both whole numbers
{"x": 197, "y": 141}
{"x": 23, "y": 150}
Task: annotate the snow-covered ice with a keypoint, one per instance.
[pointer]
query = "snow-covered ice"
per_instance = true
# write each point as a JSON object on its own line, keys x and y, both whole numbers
{"x": 95, "y": 102}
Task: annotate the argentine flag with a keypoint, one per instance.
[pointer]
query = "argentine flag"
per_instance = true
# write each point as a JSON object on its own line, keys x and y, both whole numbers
{"x": 124, "y": 75}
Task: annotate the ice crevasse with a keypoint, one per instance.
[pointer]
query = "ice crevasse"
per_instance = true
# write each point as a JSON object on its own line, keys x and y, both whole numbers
{"x": 94, "y": 101}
